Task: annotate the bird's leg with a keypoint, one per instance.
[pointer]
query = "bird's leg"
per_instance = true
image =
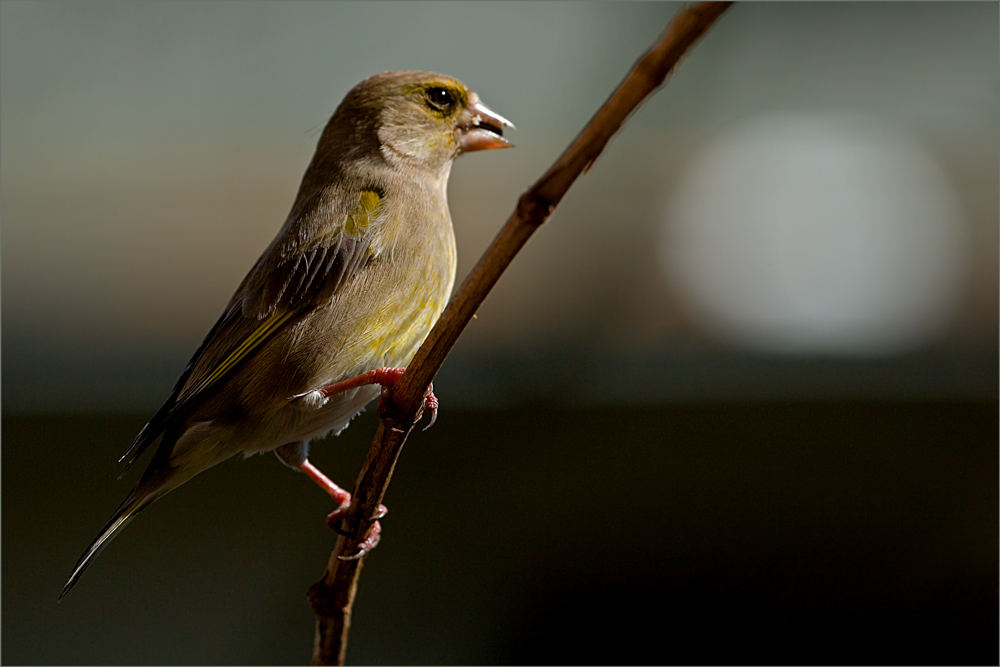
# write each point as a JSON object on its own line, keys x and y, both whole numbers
{"x": 340, "y": 496}
{"x": 386, "y": 377}
{"x": 343, "y": 500}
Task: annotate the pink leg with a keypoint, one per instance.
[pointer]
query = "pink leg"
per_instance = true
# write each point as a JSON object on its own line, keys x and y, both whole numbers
{"x": 343, "y": 500}
{"x": 339, "y": 495}
{"x": 386, "y": 377}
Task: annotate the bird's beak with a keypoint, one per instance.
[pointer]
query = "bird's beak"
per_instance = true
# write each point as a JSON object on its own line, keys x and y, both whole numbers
{"x": 480, "y": 128}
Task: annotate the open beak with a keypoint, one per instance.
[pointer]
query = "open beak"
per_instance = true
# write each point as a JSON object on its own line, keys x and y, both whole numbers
{"x": 481, "y": 128}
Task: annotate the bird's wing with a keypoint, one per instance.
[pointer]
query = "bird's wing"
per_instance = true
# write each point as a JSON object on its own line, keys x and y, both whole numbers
{"x": 305, "y": 266}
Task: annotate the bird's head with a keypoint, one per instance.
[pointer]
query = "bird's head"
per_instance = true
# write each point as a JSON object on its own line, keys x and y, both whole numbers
{"x": 417, "y": 119}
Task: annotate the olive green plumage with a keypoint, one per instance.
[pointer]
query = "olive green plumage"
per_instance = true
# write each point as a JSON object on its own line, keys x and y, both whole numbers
{"x": 354, "y": 280}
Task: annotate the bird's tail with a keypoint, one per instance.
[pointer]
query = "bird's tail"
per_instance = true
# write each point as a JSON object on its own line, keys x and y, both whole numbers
{"x": 140, "y": 498}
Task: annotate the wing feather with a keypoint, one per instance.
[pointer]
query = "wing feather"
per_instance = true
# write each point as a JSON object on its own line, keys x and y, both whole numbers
{"x": 274, "y": 294}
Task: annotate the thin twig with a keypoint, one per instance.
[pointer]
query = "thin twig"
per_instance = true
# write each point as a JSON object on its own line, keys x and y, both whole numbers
{"x": 332, "y": 597}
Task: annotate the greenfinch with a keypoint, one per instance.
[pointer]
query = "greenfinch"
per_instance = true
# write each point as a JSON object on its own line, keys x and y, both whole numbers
{"x": 337, "y": 303}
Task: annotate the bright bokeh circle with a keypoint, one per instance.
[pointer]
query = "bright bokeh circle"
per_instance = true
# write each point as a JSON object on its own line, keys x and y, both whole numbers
{"x": 817, "y": 234}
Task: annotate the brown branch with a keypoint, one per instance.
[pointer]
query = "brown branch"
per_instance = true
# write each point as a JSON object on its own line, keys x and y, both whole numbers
{"x": 332, "y": 597}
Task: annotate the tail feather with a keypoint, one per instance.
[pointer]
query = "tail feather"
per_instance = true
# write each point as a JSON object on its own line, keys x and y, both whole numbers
{"x": 130, "y": 507}
{"x": 177, "y": 459}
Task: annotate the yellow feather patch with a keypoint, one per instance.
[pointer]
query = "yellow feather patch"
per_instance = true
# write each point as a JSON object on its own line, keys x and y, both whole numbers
{"x": 360, "y": 218}
{"x": 249, "y": 344}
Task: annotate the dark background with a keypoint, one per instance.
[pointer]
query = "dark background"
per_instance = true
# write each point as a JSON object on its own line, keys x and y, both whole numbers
{"x": 835, "y": 532}
{"x": 736, "y": 402}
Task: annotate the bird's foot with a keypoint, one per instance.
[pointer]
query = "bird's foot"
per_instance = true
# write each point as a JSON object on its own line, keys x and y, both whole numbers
{"x": 386, "y": 377}
{"x": 369, "y": 543}
{"x": 371, "y": 540}
{"x": 343, "y": 500}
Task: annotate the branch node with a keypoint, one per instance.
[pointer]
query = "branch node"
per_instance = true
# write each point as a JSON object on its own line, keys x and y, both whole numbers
{"x": 392, "y": 415}
{"x": 322, "y": 601}
{"x": 534, "y": 208}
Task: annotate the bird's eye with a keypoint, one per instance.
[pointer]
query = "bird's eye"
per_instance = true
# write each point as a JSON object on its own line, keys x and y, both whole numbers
{"x": 440, "y": 99}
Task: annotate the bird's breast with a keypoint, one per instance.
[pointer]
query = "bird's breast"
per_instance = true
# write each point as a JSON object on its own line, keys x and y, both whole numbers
{"x": 383, "y": 317}
{"x": 417, "y": 282}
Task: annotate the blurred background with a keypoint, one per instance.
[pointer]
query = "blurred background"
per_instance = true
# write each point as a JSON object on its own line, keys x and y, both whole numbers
{"x": 736, "y": 402}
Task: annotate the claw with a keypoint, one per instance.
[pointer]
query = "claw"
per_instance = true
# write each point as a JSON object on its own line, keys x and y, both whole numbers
{"x": 431, "y": 404}
{"x": 369, "y": 543}
{"x": 371, "y": 540}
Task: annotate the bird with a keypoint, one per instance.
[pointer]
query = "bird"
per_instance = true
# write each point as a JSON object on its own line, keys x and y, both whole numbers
{"x": 338, "y": 302}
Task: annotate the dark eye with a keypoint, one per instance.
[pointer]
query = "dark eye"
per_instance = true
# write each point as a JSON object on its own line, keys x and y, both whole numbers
{"x": 440, "y": 98}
